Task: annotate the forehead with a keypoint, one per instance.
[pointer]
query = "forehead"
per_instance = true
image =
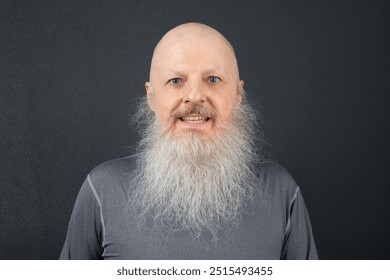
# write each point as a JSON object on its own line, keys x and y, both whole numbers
{"x": 193, "y": 52}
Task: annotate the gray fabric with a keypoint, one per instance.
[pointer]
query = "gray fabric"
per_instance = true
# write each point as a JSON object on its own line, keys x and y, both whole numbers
{"x": 274, "y": 226}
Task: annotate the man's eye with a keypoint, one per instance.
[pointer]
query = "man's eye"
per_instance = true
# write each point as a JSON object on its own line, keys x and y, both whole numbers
{"x": 213, "y": 79}
{"x": 175, "y": 81}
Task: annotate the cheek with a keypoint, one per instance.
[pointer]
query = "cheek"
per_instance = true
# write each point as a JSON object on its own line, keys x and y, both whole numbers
{"x": 164, "y": 108}
{"x": 226, "y": 113}
{"x": 225, "y": 107}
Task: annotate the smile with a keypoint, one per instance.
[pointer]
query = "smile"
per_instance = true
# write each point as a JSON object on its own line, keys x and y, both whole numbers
{"x": 194, "y": 119}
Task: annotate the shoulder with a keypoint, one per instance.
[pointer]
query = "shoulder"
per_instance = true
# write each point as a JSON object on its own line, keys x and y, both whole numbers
{"x": 114, "y": 167}
{"x": 277, "y": 181}
{"x": 112, "y": 175}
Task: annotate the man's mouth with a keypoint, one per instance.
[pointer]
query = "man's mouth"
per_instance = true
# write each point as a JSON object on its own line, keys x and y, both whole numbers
{"x": 194, "y": 119}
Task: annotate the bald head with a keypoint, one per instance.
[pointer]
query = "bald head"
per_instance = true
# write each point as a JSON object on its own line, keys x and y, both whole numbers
{"x": 192, "y": 39}
{"x": 194, "y": 66}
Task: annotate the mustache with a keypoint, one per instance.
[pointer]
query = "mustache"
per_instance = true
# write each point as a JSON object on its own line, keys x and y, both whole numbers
{"x": 194, "y": 110}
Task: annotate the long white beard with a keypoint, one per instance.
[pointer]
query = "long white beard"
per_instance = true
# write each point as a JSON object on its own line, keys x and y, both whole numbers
{"x": 195, "y": 182}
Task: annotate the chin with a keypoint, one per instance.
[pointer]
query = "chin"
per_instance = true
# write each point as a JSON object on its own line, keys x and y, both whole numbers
{"x": 193, "y": 131}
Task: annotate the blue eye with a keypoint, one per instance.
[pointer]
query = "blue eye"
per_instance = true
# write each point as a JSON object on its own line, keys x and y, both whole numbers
{"x": 213, "y": 79}
{"x": 175, "y": 81}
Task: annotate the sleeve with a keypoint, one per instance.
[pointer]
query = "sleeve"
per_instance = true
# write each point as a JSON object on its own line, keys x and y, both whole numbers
{"x": 85, "y": 230}
{"x": 298, "y": 240}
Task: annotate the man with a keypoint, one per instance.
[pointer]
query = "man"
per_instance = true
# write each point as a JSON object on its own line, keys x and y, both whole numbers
{"x": 197, "y": 189}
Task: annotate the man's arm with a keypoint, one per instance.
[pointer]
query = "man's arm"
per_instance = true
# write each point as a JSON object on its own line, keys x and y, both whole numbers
{"x": 85, "y": 232}
{"x": 298, "y": 241}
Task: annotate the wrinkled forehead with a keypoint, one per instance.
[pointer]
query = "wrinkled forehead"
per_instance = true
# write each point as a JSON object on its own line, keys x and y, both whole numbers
{"x": 188, "y": 44}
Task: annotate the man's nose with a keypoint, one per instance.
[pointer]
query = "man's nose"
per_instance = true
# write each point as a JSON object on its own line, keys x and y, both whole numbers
{"x": 194, "y": 93}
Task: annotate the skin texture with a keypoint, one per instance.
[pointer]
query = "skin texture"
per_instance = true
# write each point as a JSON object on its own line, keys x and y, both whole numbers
{"x": 194, "y": 80}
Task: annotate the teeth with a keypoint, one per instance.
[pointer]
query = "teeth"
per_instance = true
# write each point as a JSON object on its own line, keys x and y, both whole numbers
{"x": 194, "y": 119}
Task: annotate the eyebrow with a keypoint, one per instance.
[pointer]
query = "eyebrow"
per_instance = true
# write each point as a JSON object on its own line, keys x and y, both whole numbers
{"x": 216, "y": 70}
{"x": 174, "y": 72}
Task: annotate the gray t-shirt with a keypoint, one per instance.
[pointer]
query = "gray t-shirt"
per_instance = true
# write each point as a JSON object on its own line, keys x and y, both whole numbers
{"x": 274, "y": 226}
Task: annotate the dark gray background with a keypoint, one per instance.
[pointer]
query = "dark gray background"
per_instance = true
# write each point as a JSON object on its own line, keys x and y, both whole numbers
{"x": 70, "y": 72}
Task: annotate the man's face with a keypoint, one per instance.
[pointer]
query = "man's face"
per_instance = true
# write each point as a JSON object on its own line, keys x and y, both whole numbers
{"x": 194, "y": 83}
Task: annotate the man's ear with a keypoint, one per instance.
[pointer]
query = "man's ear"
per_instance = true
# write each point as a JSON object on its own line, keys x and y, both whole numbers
{"x": 150, "y": 96}
{"x": 241, "y": 91}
